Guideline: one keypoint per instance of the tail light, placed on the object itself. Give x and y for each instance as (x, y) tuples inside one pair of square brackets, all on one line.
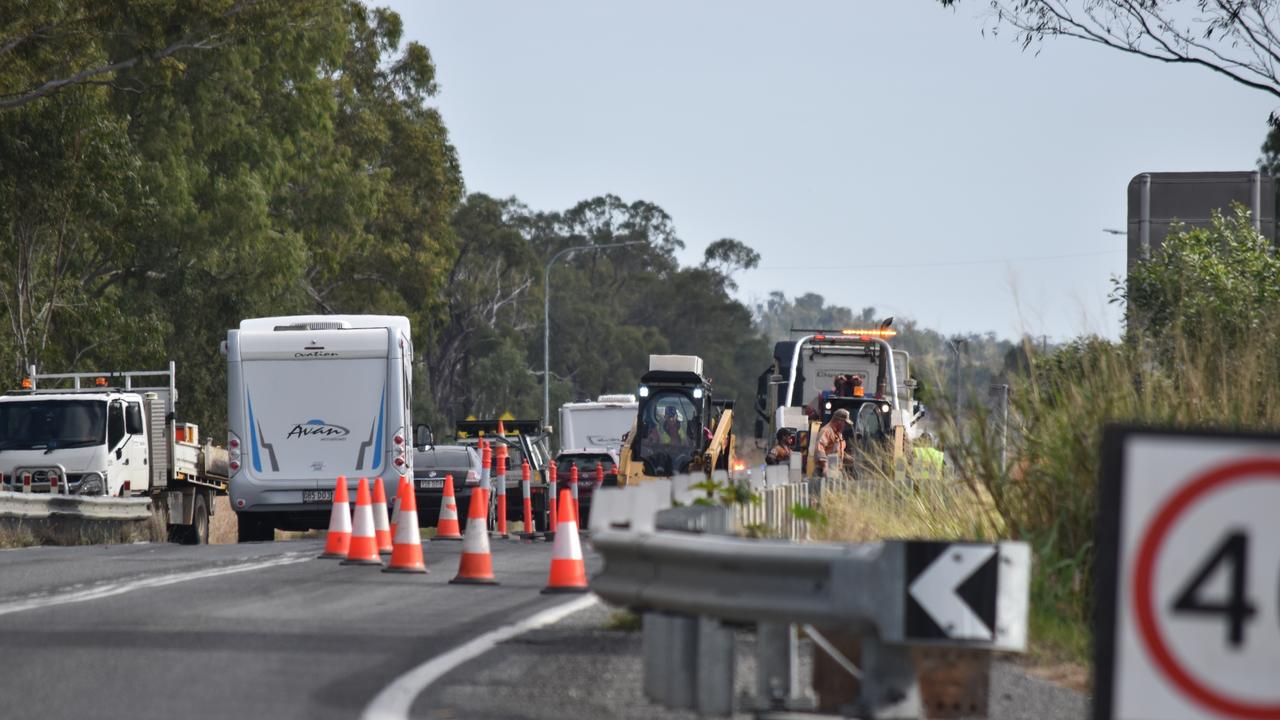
[(401, 459), (473, 477), (233, 452)]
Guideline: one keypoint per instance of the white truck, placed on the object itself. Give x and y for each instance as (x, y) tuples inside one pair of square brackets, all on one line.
[(108, 434), (311, 398)]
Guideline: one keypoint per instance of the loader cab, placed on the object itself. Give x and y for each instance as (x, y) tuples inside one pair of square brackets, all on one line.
[(674, 413)]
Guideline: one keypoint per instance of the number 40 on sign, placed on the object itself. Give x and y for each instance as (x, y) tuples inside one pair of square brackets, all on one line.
[(1188, 603)]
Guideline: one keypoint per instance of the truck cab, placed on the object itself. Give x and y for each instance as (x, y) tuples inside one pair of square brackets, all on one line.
[(112, 434), (800, 390), (82, 442)]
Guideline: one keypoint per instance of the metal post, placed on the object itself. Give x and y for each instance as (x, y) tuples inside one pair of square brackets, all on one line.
[(1144, 218), (1004, 431), (715, 657), (1004, 423), (546, 320), (777, 665), (653, 641), (1257, 202), (680, 665), (955, 344), (889, 687)]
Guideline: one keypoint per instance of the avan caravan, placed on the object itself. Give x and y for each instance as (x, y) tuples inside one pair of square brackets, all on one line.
[(310, 398)]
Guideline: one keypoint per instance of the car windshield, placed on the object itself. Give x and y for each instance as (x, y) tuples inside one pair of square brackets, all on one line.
[(445, 457), (670, 432), (586, 465), (52, 424)]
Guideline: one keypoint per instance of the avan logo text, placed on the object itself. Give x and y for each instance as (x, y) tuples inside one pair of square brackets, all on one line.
[(318, 429)]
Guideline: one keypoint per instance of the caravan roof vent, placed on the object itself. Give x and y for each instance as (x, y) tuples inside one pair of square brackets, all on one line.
[(624, 399), (314, 326)]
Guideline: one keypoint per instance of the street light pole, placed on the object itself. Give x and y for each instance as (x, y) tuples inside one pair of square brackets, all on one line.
[(546, 320)]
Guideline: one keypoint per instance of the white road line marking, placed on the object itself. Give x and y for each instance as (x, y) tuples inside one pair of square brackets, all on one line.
[(394, 701), (103, 591)]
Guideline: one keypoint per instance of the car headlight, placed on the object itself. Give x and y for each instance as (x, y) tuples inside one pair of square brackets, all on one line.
[(92, 483)]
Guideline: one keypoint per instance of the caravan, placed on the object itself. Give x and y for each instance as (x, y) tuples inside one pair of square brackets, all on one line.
[(310, 398)]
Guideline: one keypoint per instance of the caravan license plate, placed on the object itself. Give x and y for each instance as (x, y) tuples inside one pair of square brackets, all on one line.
[(430, 484), (317, 496)]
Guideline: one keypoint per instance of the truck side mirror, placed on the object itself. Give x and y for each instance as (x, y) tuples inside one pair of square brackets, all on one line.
[(422, 436), (133, 419)]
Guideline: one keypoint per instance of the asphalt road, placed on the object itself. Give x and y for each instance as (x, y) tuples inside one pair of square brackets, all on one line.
[(269, 631), (249, 631)]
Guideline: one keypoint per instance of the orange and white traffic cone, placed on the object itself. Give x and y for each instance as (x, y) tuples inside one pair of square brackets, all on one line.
[(381, 528), (476, 564), (395, 512), (338, 540), (364, 545), (447, 526), (568, 571), (406, 553)]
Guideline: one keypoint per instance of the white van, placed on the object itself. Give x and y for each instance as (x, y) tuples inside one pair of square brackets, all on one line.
[(309, 398)]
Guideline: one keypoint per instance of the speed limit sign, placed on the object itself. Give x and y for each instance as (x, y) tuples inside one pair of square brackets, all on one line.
[(1188, 576)]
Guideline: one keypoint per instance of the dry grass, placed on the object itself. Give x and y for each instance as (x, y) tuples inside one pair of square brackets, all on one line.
[(879, 508), (25, 532), (223, 528)]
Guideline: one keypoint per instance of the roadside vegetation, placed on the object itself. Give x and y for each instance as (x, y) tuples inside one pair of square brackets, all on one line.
[(20, 532), (1201, 349)]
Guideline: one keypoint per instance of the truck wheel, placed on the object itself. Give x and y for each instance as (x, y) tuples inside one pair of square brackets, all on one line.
[(250, 529), (198, 532)]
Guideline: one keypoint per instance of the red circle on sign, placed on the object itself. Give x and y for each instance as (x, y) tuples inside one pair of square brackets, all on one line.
[(1144, 588)]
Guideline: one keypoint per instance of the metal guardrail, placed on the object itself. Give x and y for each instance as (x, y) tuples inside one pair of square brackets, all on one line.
[(40, 505), (695, 586), (855, 585)]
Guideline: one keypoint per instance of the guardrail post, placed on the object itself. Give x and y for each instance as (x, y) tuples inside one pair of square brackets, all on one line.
[(890, 690), (777, 662), (715, 656), (670, 659), (654, 640)]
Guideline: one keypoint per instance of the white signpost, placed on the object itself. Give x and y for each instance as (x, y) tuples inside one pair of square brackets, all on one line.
[(1188, 582)]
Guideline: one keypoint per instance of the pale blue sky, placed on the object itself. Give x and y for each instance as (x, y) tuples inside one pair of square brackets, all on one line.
[(852, 134)]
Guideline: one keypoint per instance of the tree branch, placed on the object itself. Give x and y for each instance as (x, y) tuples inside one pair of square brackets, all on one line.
[(209, 40)]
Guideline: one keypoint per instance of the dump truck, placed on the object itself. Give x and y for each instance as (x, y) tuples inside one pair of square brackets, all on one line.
[(112, 434)]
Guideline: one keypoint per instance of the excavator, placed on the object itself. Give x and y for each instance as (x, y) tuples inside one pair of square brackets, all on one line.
[(679, 429)]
